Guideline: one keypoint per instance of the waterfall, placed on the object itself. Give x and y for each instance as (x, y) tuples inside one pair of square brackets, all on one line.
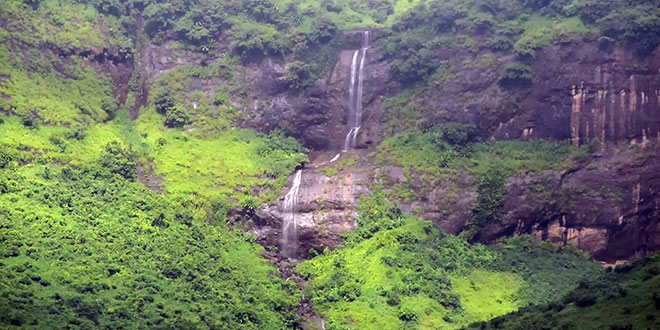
[(289, 230), (355, 93)]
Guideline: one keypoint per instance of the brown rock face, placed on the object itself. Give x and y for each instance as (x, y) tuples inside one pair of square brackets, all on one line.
[(325, 209), (609, 208), (620, 102), (580, 94), (583, 93)]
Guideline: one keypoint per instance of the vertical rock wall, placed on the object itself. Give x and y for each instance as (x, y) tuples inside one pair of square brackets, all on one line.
[(619, 104)]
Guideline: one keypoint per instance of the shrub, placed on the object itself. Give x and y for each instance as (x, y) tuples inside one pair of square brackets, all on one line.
[(163, 101), (639, 26), (592, 10), (323, 30), (30, 121), (78, 132), (220, 98), (458, 134), (253, 41), (516, 75), (119, 160), (491, 191), (176, 117), (110, 106), (299, 75), (526, 47), (501, 43)]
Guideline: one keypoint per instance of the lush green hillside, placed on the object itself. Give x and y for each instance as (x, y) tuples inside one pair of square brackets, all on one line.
[(87, 248), (84, 244), (626, 297), (124, 193), (397, 272)]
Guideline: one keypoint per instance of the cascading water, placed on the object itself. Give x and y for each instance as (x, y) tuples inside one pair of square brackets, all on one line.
[(355, 93), (289, 224), (289, 230)]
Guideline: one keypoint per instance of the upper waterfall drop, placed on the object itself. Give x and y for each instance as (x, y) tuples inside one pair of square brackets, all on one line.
[(355, 93)]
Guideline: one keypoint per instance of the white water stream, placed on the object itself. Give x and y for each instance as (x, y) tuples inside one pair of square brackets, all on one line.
[(289, 225), (290, 207), (355, 93)]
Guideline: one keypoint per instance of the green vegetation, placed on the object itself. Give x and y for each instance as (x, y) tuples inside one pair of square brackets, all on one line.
[(453, 147), (398, 272), (86, 248), (516, 75), (84, 244), (624, 298), (442, 153), (124, 185)]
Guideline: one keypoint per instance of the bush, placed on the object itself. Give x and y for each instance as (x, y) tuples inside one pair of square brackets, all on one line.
[(110, 106), (30, 121), (163, 101), (119, 160), (516, 75), (299, 75), (176, 117), (220, 98), (526, 46), (459, 135), (323, 30), (253, 41), (501, 43), (77, 132), (491, 191), (639, 26)]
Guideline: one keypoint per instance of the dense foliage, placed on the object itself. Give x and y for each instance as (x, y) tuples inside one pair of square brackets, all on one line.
[(86, 248), (625, 298), (398, 272), (118, 173)]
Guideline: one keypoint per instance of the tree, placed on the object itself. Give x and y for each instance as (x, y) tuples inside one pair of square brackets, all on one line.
[(639, 25), (119, 160), (177, 117), (516, 74), (251, 41), (299, 75), (163, 101)]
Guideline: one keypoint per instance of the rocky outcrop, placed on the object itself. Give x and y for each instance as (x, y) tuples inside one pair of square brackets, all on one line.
[(583, 93), (609, 208), (325, 210), (580, 94)]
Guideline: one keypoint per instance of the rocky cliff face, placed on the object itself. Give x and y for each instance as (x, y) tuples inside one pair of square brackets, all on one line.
[(584, 94), (609, 208), (580, 94)]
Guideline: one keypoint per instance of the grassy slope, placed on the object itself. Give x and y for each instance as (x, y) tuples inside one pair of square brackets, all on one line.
[(626, 298), (401, 272), (95, 249), (84, 249)]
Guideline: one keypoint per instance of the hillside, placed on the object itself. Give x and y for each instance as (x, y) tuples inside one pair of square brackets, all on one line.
[(335, 164)]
